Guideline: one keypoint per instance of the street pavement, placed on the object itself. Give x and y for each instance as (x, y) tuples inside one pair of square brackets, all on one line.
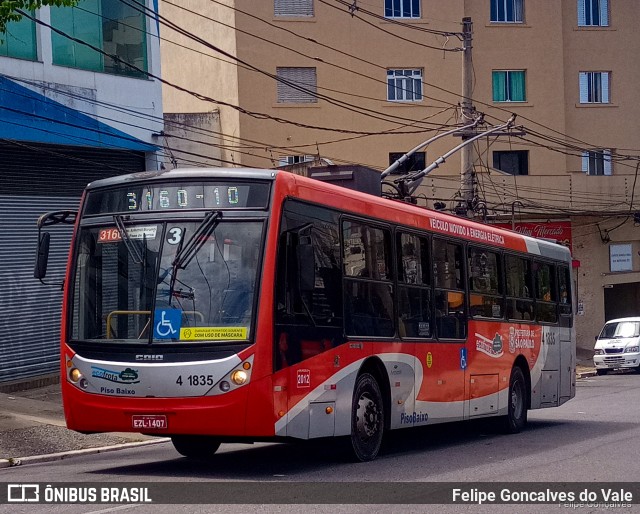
[(32, 428)]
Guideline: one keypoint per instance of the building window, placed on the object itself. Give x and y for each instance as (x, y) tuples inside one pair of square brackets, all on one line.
[(19, 40), (404, 85), (593, 13), (514, 162), (297, 85), (415, 162), (293, 8), (507, 11), (509, 86), (594, 87), (485, 283), (116, 28), (287, 160), (402, 8), (596, 162)]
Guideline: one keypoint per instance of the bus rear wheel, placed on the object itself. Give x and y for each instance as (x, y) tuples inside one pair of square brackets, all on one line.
[(367, 418), (195, 446), (516, 417)]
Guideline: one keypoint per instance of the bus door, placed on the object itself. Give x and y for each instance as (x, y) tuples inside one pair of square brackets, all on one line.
[(308, 321), (443, 358)]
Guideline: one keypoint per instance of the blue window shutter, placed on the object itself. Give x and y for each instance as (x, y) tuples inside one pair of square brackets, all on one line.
[(604, 77), (585, 162), (584, 87), (604, 13), (581, 16)]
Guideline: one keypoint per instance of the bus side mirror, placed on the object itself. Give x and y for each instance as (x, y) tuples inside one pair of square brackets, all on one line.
[(42, 256), (306, 268)]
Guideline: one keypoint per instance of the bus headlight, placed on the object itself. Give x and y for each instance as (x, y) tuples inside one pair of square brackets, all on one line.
[(239, 377), (75, 375)]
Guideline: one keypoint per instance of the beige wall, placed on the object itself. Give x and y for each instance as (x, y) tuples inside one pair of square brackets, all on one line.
[(200, 69)]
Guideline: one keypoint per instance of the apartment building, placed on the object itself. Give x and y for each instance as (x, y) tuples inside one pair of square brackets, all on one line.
[(363, 81), (77, 104)]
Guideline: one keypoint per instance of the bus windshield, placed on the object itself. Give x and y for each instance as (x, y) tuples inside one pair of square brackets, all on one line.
[(144, 288)]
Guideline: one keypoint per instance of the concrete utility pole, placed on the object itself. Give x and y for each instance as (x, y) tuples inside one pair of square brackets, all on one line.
[(466, 154)]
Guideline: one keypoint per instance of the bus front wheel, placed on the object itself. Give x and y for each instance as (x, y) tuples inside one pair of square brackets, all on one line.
[(516, 418), (195, 446), (367, 418)]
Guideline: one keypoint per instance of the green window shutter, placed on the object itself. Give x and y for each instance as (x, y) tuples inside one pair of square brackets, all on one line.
[(517, 89), (499, 86)]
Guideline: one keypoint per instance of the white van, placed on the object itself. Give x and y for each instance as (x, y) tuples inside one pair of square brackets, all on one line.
[(618, 345)]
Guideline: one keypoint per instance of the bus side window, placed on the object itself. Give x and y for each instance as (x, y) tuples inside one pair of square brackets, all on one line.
[(368, 294), (518, 288), (415, 304), (545, 292), (485, 283), (448, 266), (564, 287)]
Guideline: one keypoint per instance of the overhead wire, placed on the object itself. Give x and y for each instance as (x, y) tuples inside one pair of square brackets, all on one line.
[(371, 113), (363, 134), (200, 96)]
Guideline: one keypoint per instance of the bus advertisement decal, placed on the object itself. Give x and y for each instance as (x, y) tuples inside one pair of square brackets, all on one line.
[(491, 347), (523, 338), (126, 376), (213, 333)]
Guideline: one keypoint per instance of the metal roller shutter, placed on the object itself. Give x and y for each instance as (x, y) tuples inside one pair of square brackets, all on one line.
[(34, 179)]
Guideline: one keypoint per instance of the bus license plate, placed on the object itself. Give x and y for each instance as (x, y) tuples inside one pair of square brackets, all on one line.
[(144, 422)]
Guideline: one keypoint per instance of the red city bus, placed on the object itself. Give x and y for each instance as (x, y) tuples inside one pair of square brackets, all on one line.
[(249, 305)]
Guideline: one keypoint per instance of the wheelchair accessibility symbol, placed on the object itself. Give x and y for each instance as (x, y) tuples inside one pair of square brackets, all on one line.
[(463, 358), (167, 323)]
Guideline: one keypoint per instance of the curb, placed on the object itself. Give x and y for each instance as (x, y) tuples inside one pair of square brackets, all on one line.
[(36, 459), (587, 374)]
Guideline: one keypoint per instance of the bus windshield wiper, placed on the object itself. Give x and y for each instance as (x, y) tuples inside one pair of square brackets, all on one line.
[(187, 251), (131, 247)]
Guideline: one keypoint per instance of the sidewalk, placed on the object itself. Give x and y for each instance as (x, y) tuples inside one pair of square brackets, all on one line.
[(32, 428)]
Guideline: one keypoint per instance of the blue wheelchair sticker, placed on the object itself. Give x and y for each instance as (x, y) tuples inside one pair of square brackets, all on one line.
[(166, 323), (463, 358)]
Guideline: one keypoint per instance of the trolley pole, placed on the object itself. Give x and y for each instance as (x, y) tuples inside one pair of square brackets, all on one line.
[(466, 155)]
